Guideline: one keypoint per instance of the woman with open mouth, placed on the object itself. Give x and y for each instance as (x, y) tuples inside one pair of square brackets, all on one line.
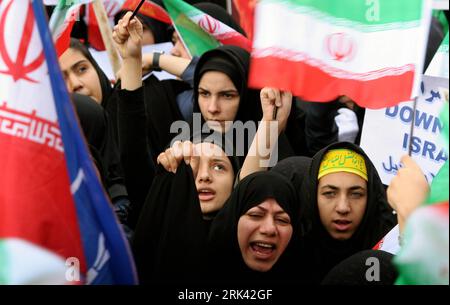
[(250, 236), (190, 186)]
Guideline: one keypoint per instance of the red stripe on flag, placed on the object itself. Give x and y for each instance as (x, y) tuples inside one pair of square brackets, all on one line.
[(94, 36), (235, 40), (148, 9), (63, 41), (36, 204), (312, 84), (378, 245), (246, 11), (441, 207)]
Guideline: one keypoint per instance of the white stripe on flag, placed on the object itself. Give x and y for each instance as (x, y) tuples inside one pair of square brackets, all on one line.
[(371, 51), (77, 182)]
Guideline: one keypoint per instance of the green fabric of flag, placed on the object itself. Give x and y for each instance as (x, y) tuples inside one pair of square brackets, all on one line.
[(439, 186), (195, 39)]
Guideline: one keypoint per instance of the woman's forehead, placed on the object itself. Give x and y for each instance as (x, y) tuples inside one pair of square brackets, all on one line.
[(210, 150), (270, 204), (70, 57), (216, 78)]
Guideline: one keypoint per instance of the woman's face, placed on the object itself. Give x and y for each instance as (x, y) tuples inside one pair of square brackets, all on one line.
[(342, 201), (218, 99), (178, 49), (214, 177), (80, 75), (147, 36), (264, 232)]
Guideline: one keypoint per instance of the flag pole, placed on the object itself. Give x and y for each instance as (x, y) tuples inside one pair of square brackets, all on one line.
[(411, 132), (230, 7), (106, 33), (137, 9)]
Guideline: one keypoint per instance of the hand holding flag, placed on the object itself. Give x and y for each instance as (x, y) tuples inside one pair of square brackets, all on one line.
[(408, 189), (136, 10), (128, 37), (424, 256)]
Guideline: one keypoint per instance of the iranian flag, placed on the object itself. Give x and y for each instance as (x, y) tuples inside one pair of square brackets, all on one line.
[(390, 243), (246, 12), (199, 31), (149, 9), (56, 224), (112, 7), (424, 257), (371, 51), (62, 20), (439, 64)]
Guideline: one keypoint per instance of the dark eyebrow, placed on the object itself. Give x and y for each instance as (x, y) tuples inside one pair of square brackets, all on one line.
[(333, 187), (352, 188), (357, 187), (281, 212), (218, 160), (230, 91), (261, 208), (78, 63), (276, 213)]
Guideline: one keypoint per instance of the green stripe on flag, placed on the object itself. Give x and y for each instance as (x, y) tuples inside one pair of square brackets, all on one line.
[(3, 263), (444, 45), (440, 16), (194, 37), (439, 186), (58, 16), (375, 12)]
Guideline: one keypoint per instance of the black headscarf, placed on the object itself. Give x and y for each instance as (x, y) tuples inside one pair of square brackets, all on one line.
[(295, 169), (324, 251), (169, 244), (354, 270), (105, 84), (161, 96), (234, 62), (158, 28), (225, 256), (99, 134)]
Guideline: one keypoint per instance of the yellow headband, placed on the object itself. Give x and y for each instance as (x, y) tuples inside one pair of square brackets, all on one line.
[(343, 160)]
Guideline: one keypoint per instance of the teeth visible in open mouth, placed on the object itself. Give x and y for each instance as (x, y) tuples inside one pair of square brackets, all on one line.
[(264, 245)]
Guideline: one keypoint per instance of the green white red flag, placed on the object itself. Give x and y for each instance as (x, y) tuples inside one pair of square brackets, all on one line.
[(149, 9), (246, 12), (199, 31), (57, 225), (112, 7), (371, 51), (62, 20)]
